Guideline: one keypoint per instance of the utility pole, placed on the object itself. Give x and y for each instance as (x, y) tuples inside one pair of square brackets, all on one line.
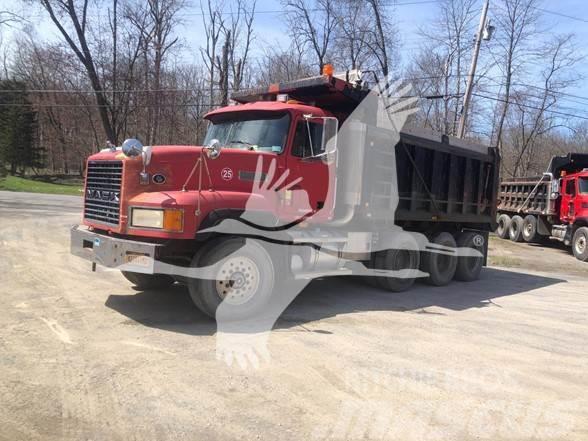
[(468, 93)]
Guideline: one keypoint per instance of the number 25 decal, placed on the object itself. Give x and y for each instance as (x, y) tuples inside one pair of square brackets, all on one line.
[(227, 173)]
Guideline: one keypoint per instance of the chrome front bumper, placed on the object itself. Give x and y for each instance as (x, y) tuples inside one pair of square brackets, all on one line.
[(111, 252)]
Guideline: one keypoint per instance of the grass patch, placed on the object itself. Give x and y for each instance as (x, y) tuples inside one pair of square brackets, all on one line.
[(505, 261), (14, 183)]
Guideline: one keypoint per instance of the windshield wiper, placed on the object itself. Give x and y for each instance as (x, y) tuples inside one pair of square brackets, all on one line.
[(238, 141)]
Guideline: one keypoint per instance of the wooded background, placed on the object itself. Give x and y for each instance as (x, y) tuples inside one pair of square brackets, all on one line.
[(120, 70)]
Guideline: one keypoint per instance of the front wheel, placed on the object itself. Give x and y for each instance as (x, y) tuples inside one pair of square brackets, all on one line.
[(148, 281), (580, 244), (241, 283)]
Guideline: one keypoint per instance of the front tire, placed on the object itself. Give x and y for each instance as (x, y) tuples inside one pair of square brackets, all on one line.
[(242, 282), (580, 244), (148, 281)]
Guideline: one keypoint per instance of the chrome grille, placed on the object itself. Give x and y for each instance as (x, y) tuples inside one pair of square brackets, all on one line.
[(102, 198)]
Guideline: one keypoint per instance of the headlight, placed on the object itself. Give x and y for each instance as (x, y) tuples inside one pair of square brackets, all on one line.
[(166, 219)]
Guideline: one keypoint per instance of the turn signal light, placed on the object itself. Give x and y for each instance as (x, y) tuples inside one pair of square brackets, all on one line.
[(173, 220), (328, 70)]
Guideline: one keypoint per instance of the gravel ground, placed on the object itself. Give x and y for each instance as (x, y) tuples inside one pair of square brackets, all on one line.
[(85, 357)]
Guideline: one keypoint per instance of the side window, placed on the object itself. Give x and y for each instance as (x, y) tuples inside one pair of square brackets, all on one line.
[(571, 187), (301, 146)]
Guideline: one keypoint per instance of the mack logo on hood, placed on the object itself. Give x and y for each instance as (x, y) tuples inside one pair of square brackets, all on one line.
[(102, 195)]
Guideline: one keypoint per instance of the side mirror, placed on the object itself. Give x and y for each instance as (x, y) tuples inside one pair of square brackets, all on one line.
[(329, 141), (328, 146), (132, 147), (213, 149)]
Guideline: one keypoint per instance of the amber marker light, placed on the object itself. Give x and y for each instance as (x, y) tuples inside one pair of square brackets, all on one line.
[(173, 220), (328, 69)]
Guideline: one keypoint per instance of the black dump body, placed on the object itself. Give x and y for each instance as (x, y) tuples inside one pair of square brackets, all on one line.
[(440, 179)]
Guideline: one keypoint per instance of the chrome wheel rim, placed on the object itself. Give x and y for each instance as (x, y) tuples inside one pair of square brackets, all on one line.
[(529, 229), (581, 245), (237, 280)]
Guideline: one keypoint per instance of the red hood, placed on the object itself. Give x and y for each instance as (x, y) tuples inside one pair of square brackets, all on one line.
[(231, 174)]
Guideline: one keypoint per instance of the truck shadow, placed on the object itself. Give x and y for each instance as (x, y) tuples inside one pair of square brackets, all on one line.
[(172, 309)]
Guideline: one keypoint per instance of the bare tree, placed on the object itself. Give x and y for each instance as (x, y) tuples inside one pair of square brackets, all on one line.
[(213, 24), (380, 42), (449, 40), (517, 22), (76, 14), (241, 28), (155, 22), (279, 65), (352, 33), (531, 118), (313, 24)]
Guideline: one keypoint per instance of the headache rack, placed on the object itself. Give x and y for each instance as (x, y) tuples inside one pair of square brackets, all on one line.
[(327, 92)]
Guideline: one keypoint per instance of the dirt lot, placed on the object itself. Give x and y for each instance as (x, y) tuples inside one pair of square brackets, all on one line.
[(548, 257), (85, 357)]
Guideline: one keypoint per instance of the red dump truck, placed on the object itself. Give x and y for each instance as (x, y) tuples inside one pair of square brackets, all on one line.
[(554, 205), (147, 208)]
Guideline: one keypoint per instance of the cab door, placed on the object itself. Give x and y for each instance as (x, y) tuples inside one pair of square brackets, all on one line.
[(309, 196), (568, 198)]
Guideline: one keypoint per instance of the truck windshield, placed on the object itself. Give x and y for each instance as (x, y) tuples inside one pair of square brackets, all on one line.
[(583, 185), (268, 133)]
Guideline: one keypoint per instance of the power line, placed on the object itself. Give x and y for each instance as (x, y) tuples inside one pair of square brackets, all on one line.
[(107, 105), (260, 12), (568, 97), (559, 93), (555, 112), (106, 91), (204, 89), (560, 14)]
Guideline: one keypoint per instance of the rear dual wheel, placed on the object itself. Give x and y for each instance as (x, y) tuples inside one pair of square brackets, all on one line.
[(441, 267), (530, 234), (402, 260), (503, 226), (465, 265), (471, 260), (515, 230)]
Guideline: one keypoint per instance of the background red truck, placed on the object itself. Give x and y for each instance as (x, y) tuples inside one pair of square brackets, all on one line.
[(147, 208), (554, 205)]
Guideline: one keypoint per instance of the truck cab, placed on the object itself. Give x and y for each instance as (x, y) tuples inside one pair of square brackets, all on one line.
[(574, 198), (158, 194)]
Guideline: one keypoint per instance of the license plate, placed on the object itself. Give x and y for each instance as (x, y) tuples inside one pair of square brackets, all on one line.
[(138, 259)]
